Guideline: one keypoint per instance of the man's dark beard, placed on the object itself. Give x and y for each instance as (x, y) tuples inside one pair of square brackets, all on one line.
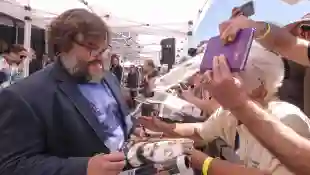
[(80, 77), (80, 71)]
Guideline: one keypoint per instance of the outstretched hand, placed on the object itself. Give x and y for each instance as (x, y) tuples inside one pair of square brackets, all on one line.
[(225, 87), (151, 123)]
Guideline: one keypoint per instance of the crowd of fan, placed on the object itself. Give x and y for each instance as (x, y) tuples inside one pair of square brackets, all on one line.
[(80, 112), (270, 80)]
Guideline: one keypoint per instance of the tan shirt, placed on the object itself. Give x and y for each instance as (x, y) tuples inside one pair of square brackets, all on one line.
[(223, 124)]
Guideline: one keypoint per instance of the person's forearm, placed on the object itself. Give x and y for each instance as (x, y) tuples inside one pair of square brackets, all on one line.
[(222, 167), (226, 168), (283, 142), (281, 41), (204, 105), (179, 130), (274, 40), (197, 102)]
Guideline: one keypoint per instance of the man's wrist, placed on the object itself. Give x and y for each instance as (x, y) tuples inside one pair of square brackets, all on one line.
[(238, 100), (241, 105), (197, 159), (166, 129), (244, 112)]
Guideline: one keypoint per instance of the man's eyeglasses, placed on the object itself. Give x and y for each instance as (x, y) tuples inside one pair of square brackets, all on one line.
[(305, 27), (96, 53), (22, 56), (92, 52)]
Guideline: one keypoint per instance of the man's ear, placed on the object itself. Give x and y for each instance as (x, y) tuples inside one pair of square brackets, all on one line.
[(79, 38)]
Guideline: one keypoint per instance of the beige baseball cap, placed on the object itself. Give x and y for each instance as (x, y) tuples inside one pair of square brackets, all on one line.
[(293, 24)]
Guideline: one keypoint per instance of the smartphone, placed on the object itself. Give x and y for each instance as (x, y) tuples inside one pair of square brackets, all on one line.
[(247, 9), (183, 86), (180, 89), (235, 52)]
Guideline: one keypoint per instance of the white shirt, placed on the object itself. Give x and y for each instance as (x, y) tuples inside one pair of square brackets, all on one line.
[(224, 125), (13, 72)]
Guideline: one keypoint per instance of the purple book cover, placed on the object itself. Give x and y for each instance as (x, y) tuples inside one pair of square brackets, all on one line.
[(236, 52)]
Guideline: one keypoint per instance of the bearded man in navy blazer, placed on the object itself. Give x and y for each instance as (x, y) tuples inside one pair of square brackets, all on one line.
[(56, 121)]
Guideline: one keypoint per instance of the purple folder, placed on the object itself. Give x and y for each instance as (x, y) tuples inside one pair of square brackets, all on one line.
[(235, 52)]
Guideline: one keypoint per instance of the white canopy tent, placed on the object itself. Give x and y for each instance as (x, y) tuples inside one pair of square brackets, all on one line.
[(138, 25)]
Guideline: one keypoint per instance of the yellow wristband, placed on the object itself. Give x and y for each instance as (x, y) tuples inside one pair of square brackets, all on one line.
[(206, 165), (266, 32)]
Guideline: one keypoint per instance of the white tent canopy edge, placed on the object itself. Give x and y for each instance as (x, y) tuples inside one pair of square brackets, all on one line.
[(171, 23)]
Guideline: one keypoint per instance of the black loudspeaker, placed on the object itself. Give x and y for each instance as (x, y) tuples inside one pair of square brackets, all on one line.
[(168, 52), (192, 52)]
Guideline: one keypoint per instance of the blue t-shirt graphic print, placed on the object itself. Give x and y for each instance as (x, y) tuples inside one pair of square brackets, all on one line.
[(107, 111)]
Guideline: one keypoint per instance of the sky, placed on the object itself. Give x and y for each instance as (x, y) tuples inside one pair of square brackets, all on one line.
[(165, 14), (275, 11)]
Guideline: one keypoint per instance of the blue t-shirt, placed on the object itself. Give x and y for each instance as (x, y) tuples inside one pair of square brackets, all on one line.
[(107, 111)]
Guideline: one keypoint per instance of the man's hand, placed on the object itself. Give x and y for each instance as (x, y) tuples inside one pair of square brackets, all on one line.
[(111, 164), (223, 86), (151, 123)]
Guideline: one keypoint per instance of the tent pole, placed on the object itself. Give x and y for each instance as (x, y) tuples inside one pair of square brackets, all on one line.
[(46, 41), (16, 33), (189, 38), (27, 38)]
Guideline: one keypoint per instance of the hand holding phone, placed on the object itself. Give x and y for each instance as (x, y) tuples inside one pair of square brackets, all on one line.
[(235, 12), (247, 9)]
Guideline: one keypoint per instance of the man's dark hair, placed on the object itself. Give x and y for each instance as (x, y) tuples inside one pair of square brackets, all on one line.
[(114, 56), (150, 63), (15, 48), (77, 26)]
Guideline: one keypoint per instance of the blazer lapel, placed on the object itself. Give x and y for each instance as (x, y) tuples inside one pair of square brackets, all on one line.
[(116, 90), (69, 87)]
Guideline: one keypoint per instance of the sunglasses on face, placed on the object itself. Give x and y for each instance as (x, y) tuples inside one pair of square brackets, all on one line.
[(305, 27)]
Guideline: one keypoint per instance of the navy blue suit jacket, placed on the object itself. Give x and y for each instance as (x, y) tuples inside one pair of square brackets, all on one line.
[(47, 126)]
